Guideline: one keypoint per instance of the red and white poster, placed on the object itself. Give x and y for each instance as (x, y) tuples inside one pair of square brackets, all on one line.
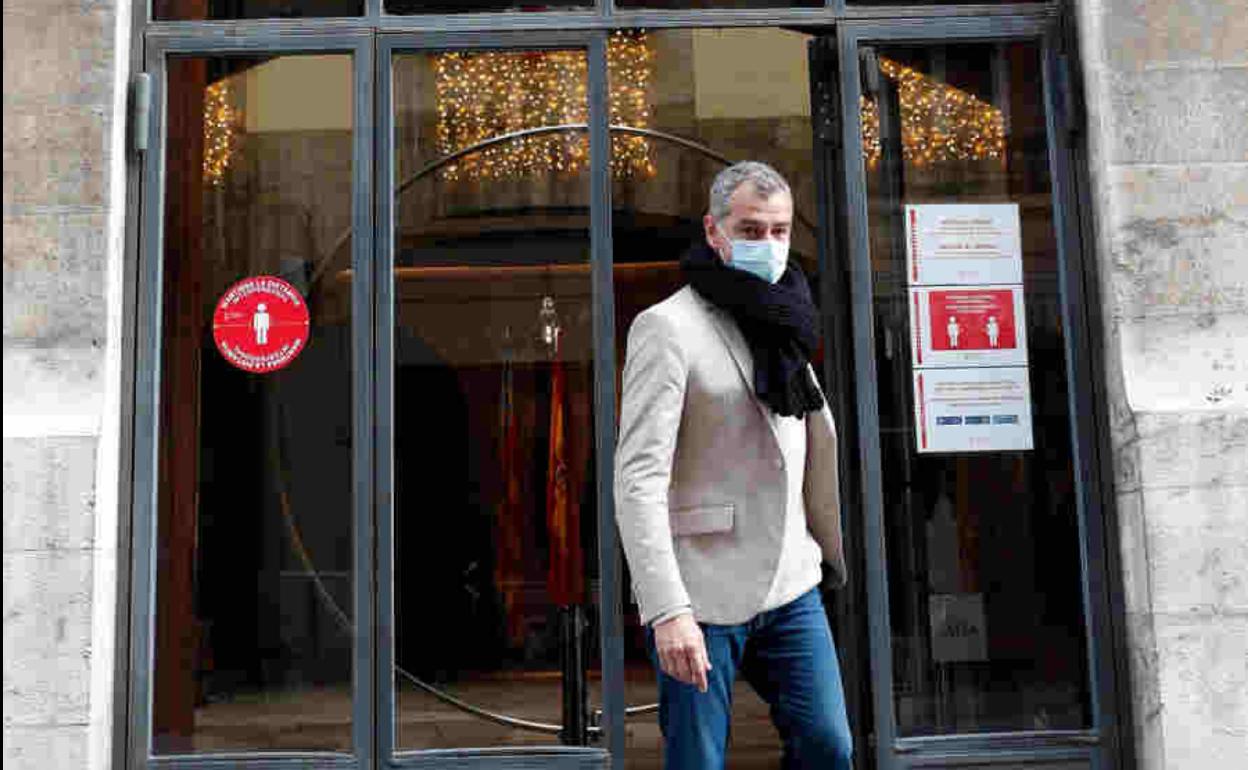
[(973, 409), (963, 244), (261, 324), (968, 326)]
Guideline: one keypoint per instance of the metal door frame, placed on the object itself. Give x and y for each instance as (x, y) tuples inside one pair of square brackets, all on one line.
[(362, 36), (611, 640), (1100, 745), (372, 394), (158, 49)]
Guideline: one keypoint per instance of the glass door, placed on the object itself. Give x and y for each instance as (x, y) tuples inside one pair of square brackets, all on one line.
[(369, 533), (983, 582), (252, 545), (489, 493)]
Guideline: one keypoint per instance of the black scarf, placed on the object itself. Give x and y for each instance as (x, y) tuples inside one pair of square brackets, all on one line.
[(779, 322)]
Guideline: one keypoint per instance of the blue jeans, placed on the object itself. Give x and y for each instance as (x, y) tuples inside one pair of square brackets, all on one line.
[(787, 656)]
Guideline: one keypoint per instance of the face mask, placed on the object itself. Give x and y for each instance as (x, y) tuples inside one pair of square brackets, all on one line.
[(766, 259)]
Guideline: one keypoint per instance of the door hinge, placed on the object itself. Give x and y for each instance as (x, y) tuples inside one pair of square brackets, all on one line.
[(825, 79), (827, 112), (869, 67), (140, 111)]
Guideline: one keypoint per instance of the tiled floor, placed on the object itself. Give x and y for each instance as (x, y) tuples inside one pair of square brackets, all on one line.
[(321, 720)]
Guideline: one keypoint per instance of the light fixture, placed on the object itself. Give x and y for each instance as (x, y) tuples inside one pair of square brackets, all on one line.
[(481, 95)]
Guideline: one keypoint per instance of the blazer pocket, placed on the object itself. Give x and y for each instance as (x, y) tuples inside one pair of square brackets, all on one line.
[(702, 519)]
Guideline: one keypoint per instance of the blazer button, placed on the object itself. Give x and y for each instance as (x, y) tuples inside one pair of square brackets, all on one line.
[(779, 464)]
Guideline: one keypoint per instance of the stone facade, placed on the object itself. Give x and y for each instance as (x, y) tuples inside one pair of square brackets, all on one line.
[(1167, 93), (1166, 83), (62, 237)]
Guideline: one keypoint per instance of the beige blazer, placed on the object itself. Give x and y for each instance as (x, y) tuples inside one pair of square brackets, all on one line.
[(700, 481)]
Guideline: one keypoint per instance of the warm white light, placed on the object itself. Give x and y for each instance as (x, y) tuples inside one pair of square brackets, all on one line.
[(938, 122), (483, 95), (220, 120)]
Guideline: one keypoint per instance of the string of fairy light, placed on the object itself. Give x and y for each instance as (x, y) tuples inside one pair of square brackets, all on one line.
[(220, 137), (938, 122), (629, 65), (486, 94)]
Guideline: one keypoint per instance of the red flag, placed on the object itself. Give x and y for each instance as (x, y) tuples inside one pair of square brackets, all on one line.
[(564, 576), (509, 564)]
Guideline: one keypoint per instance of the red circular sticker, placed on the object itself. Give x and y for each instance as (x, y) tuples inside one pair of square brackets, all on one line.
[(261, 324)]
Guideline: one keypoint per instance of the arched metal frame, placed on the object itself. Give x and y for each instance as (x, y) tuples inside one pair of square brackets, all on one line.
[(429, 168), (296, 541)]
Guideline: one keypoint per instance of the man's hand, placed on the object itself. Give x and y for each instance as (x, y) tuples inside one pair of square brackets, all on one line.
[(682, 650)]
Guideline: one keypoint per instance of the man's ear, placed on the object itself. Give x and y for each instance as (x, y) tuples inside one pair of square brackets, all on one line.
[(710, 231)]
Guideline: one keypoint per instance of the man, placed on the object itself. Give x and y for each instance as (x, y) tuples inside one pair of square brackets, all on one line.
[(726, 487)]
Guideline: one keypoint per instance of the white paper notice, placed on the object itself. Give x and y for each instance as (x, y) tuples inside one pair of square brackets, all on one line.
[(972, 409), (968, 326), (968, 329), (959, 627), (963, 244)]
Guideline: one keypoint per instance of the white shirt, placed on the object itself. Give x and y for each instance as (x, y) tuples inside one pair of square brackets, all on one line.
[(798, 570)]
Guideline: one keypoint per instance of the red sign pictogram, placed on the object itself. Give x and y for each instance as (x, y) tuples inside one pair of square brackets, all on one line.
[(973, 319), (261, 324)]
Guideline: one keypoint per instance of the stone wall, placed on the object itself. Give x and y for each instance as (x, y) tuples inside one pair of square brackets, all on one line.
[(61, 256), (1166, 84), (1167, 89)]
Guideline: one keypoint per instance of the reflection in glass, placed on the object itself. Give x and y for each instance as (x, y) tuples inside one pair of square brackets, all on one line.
[(982, 547), (935, 2), (720, 4), (940, 122), (254, 536), (203, 10), (526, 113), (494, 510), (407, 7), (706, 105)]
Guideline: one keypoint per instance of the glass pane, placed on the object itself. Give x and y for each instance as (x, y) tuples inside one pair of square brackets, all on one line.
[(495, 505), (722, 4), (201, 10), (254, 589), (700, 103), (938, 2), (980, 506), (408, 7)]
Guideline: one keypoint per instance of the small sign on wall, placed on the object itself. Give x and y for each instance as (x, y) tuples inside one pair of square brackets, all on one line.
[(971, 326), (963, 244), (972, 410), (261, 324), (958, 627), (968, 327)]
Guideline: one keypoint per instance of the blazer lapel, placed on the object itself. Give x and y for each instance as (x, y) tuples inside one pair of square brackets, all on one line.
[(740, 353)]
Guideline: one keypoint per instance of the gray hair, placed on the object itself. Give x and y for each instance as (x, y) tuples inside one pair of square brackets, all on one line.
[(765, 179)]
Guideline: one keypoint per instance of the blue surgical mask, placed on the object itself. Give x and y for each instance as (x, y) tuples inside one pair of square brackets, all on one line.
[(766, 259)]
